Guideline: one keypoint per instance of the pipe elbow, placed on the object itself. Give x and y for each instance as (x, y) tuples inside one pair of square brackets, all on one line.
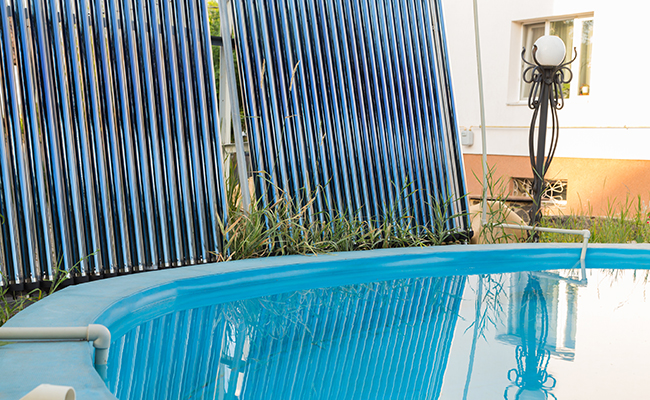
[(101, 338), (99, 335)]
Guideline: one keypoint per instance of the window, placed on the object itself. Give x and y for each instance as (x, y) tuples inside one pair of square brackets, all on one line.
[(555, 190), (585, 57), (531, 34), (565, 29)]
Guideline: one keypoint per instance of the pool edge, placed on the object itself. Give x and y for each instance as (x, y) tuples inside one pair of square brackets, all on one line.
[(66, 307)]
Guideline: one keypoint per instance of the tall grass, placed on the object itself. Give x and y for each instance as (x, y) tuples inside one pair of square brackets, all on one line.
[(625, 221), (291, 226), (12, 303), (497, 212)]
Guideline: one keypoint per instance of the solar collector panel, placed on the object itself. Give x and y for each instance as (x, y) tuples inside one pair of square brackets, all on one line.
[(369, 79)]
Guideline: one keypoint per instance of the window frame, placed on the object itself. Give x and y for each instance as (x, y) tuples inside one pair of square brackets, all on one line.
[(578, 21)]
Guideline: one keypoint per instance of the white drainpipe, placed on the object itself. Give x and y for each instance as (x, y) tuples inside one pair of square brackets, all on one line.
[(98, 334)]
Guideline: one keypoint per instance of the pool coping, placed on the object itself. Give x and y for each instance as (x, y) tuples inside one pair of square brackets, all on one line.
[(113, 302)]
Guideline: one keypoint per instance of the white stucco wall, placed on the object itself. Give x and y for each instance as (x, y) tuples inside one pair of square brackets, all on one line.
[(612, 122)]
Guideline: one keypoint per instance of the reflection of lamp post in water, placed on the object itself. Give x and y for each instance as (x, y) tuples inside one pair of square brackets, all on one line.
[(546, 75), (530, 379)]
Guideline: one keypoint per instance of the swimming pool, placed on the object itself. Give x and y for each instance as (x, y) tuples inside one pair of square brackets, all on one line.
[(381, 324)]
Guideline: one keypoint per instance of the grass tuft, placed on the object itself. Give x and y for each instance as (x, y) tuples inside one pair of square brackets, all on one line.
[(624, 222), (291, 226)]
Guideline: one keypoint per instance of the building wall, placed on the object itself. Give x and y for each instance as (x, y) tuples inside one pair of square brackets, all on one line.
[(594, 185), (604, 143)]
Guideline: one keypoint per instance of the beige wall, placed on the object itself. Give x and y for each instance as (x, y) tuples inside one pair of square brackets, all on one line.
[(593, 183)]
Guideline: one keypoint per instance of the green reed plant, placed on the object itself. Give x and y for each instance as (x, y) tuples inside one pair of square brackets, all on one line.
[(496, 211), (624, 222), (62, 277), (12, 303), (291, 226)]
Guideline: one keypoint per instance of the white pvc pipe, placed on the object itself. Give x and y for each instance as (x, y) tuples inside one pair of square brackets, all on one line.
[(98, 334), (542, 274), (51, 392), (585, 233)]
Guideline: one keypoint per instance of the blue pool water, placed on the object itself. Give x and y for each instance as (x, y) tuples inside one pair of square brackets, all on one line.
[(518, 334), (455, 322)]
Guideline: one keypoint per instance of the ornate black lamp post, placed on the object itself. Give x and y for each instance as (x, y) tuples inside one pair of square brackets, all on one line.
[(546, 75)]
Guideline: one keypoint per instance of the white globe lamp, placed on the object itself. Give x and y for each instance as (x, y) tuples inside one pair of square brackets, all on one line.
[(550, 51)]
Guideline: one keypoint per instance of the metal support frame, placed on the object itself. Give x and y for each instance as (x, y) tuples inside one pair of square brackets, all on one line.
[(231, 93), (479, 70)]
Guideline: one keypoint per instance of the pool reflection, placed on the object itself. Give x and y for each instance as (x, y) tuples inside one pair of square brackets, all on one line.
[(552, 337), (369, 341), (533, 317), (560, 300), (532, 356), (519, 335)]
